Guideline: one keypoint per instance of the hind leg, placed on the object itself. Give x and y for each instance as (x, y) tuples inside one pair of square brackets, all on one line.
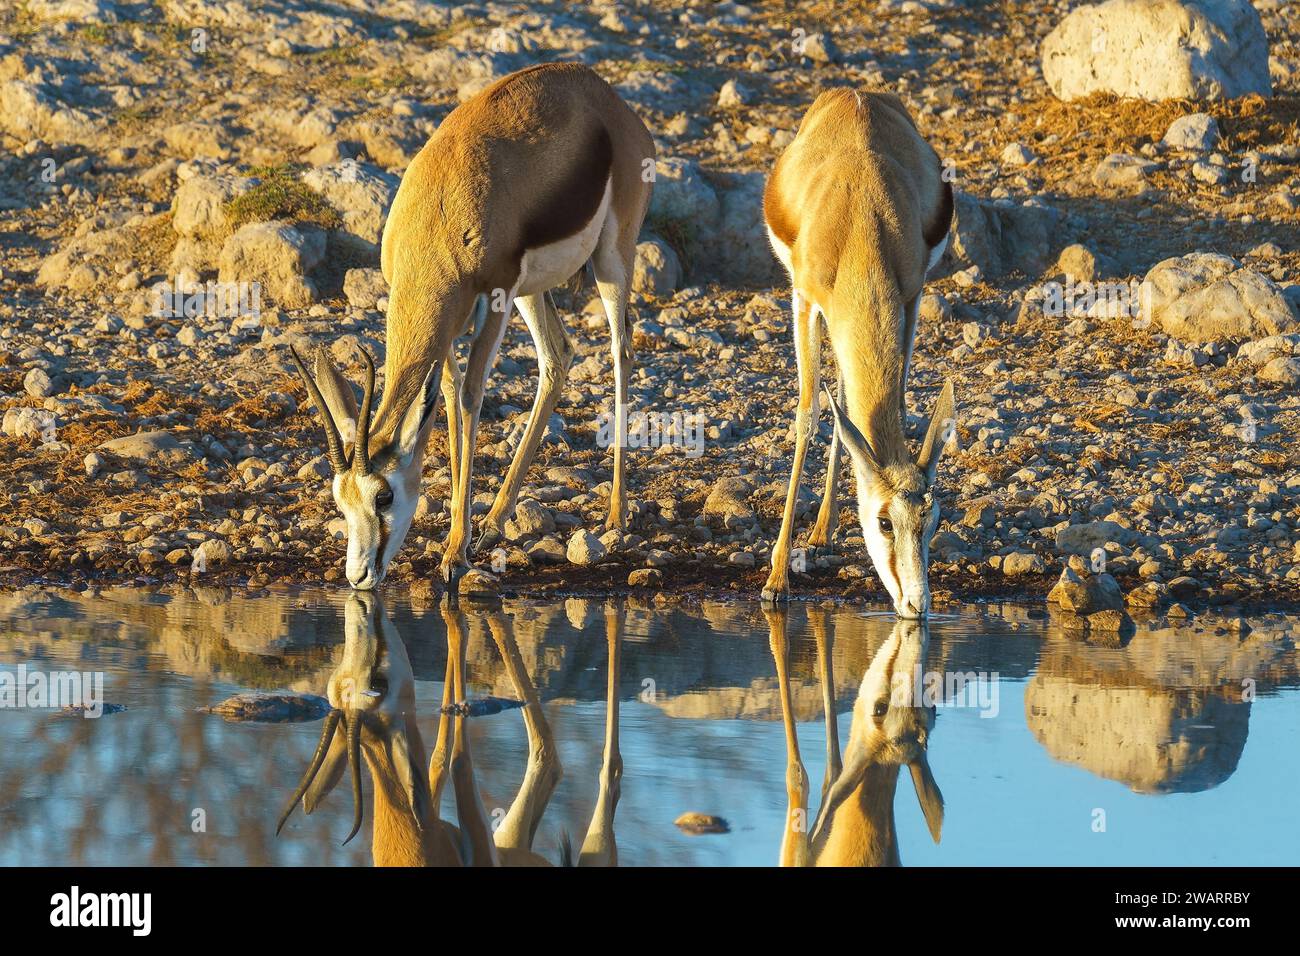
[(599, 848), (613, 263), (455, 560), (554, 355), (828, 515), (543, 772)]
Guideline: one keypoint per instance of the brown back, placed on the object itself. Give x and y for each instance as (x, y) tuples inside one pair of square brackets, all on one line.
[(860, 201), (521, 164)]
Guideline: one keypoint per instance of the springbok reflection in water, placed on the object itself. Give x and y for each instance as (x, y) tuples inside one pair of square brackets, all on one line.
[(372, 699), (891, 727)]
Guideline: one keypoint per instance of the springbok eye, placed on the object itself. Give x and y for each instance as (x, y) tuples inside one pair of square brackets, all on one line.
[(881, 708), (886, 526), (383, 499)]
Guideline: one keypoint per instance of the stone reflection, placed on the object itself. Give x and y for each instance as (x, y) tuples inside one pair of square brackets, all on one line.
[(162, 783), (1167, 712)]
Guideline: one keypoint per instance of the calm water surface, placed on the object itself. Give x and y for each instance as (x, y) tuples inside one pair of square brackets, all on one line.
[(1179, 744)]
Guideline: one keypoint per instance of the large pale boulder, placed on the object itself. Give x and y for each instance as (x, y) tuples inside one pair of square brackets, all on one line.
[(361, 194), (33, 111), (715, 227), (303, 128), (682, 194), (1084, 539), (658, 271), (730, 498), (1084, 592), (278, 256), (1197, 132), (1002, 237), (79, 11), (194, 139), (364, 288), (738, 250), (1206, 297), (198, 208), (152, 446), (84, 262), (1159, 49)]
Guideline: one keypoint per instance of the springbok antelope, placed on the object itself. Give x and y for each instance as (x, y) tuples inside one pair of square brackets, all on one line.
[(855, 822), (517, 190), (372, 696), (858, 212)]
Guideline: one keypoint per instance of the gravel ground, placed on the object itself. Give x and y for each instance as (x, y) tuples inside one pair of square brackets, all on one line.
[(141, 139)]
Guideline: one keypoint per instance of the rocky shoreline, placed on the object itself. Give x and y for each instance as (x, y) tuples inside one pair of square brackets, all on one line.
[(1119, 311)]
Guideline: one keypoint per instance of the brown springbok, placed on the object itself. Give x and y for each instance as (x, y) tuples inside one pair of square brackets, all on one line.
[(372, 698), (855, 823), (858, 211), (519, 187)]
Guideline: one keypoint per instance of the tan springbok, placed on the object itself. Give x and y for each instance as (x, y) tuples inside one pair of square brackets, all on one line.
[(372, 698), (519, 187), (855, 823), (858, 211)]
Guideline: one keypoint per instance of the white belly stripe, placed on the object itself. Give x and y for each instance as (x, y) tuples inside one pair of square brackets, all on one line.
[(547, 266), (937, 253)]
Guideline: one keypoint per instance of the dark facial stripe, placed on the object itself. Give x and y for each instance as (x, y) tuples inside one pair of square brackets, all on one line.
[(383, 543)]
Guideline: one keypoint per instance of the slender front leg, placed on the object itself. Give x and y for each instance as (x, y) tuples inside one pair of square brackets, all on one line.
[(441, 756), (828, 515), (543, 772), (910, 313), (599, 847), (451, 383), (818, 621), (455, 560), (554, 356), (807, 351), (613, 264), (794, 838), (477, 847)]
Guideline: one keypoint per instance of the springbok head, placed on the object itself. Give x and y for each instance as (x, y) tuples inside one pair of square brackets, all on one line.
[(891, 728), (372, 710), (897, 504), (376, 489)]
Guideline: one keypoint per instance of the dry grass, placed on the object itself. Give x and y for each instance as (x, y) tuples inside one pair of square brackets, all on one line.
[(280, 195), (1092, 128)]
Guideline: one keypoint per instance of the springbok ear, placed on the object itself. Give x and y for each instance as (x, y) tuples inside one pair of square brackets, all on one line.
[(853, 439), (928, 795), (417, 417), (338, 396), (331, 772), (852, 774), (943, 423), (412, 782)]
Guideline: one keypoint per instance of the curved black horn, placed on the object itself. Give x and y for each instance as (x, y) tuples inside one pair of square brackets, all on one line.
[(332, 439), (326, 737), (354, 758), (361, 451)]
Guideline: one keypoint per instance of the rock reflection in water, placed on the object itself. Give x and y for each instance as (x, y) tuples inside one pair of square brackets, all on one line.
[(702, 709)]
